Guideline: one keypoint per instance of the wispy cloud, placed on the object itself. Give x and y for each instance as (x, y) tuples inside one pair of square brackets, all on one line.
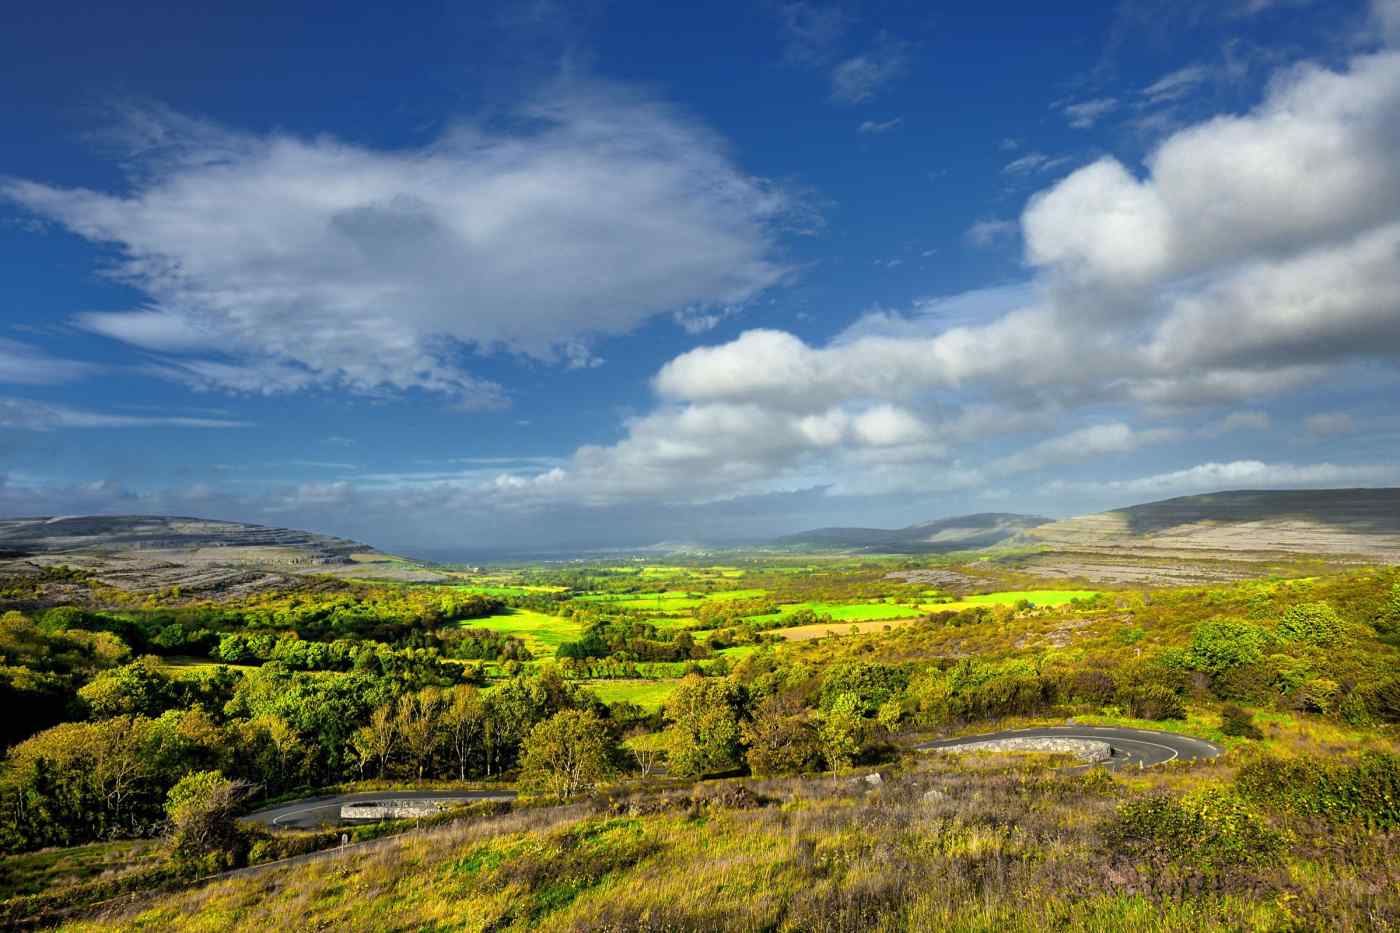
[(1248, 474), (1033, 162), (876, 128), (30, 415), (1087, 443), (1329, 424), (23, 364), (989, 230), (1084, 114), (1176, 85), (811, 32), (862, 77)]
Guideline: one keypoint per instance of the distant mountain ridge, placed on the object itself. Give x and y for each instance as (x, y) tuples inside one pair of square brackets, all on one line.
[(63, 533), (1185, 539), (148, 553), (1248, 525), (1361, 522), (959, 533)]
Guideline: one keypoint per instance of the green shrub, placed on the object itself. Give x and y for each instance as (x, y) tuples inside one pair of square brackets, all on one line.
[(974, 689), (1238, 722), (1381, 699), (870, 684), (1387, 621), (1209, 832), (1251, 683), (1154, 702), (1223, 644), (1364, 790), (1290, 673), (1319, 695), (1092, 686), (1315, 624), (1130, 635)]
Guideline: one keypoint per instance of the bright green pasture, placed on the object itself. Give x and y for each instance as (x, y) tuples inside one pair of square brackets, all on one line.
[(541, 633), (668, 601), (1038, 597), (738, 594), (849, 612), (649, 694)]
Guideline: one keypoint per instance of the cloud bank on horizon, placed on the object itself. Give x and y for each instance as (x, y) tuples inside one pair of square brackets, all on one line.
[(1216, 308)]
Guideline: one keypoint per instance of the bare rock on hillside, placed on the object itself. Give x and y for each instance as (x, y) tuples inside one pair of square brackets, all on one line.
[(948, 580), (151, 553), (1221, 536), (1363, 522)]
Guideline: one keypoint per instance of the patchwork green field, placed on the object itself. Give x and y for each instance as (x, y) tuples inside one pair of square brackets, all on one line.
[(1011, 597), (672, 609), (843, 612), (648, 694), (667, 601), (541, 633)]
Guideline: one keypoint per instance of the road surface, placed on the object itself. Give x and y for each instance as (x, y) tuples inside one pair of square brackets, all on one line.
[(1131, 747), (325, 811)]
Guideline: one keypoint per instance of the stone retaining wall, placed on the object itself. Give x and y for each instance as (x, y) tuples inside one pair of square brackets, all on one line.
[(393, 809), (1084, 749)]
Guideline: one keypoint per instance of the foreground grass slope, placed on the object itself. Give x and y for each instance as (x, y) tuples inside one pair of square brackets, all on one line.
[(986, 843)]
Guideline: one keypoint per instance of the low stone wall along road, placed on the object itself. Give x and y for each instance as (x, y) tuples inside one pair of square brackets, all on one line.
[(1129, 748), (314, 812)]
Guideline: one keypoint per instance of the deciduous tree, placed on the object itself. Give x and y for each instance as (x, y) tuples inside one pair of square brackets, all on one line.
[(375, 742), (842, 732), (704, 735), (201, 809), (567, 753)]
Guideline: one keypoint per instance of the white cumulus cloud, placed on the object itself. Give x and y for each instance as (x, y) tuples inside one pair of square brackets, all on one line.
[(274, 262), (1257, 254)]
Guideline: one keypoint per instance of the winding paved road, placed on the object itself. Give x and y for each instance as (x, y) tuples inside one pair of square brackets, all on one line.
[(325, 811), (1131, 747)]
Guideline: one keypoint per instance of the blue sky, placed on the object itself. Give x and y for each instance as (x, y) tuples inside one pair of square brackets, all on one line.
[(541, 275)]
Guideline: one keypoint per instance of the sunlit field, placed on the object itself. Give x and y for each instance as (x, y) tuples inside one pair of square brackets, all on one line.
[(542, 633), (648, 694)]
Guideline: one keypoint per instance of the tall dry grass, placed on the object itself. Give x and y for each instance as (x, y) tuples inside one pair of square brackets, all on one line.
[(978, 843)]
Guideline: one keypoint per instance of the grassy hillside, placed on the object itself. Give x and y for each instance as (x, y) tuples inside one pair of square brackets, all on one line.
[(938, 844)]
